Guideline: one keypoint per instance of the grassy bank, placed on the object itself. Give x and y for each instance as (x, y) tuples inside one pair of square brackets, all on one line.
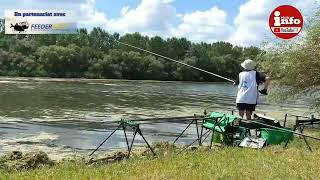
[(272, 162)]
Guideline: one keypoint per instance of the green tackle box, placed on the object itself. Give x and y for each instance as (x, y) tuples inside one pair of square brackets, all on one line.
[(275, 136)]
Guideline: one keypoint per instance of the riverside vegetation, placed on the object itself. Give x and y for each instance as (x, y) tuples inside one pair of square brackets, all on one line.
[(272, 162)]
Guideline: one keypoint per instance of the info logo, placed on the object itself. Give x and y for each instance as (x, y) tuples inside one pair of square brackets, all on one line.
[(286, 22)]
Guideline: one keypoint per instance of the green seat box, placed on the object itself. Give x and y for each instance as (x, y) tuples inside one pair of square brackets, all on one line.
[(275, 136)]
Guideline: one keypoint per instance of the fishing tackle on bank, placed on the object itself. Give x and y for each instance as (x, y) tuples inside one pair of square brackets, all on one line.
[(226, 125), (281, 128)]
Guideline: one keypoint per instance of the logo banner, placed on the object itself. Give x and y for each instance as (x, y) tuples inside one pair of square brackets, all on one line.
[(286, 22), (40, 22)]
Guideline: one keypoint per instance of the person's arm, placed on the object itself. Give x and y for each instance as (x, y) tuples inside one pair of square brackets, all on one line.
[(236, 82), (263, 79), (267, 82)]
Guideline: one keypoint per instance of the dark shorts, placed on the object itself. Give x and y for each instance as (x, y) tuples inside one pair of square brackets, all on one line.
[(246, 107)]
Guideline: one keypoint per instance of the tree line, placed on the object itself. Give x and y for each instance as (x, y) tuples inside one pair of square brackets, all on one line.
[(95, 54)]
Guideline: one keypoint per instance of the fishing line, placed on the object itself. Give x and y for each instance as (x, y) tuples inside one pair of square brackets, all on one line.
[(176, 61)]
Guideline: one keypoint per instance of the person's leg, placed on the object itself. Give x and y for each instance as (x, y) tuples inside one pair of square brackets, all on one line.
[(241, 113), (241, 109), (248, 114), (249, 109)]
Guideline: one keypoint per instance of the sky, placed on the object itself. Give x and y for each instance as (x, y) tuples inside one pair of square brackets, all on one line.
[(240, 22)]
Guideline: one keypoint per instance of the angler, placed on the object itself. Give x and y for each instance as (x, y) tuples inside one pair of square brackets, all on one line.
[(248, 82)]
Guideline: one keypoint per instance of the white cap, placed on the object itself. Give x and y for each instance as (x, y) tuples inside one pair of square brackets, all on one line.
[(248, 64)]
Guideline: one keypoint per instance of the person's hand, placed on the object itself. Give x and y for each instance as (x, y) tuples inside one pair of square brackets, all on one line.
[(263, 91), (234, 83)]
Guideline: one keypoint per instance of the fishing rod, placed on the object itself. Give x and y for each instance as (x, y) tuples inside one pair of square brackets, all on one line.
[(173, 60), (188, 118), (282, 129)]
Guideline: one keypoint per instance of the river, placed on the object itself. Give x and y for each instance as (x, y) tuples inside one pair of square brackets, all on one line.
[(63, 117)]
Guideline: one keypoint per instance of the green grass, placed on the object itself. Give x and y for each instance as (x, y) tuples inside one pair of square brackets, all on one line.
[(272, 162)]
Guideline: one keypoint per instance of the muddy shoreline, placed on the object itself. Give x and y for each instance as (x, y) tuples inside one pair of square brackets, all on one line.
[(17, 160)]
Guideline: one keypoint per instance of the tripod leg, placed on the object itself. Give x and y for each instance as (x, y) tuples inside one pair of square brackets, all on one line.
[(140, 133), (287, 142), (198, 132), (305, 140), (125, 135), (134, 136), (201, 133), (105, 140), (195, 141), (302, 128), (211, 139), (183, 132), (294, 129), (207, 133)]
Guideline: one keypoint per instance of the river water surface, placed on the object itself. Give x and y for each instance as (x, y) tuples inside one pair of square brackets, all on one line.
[(64, 117)]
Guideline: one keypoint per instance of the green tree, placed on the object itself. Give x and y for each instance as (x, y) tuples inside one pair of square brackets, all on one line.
[(62, 61), (157, 45), (111, 65), (15, 64), (135, 39), (185, 73), (155, 68), (220, 49), (251, 52), (178, 48)]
